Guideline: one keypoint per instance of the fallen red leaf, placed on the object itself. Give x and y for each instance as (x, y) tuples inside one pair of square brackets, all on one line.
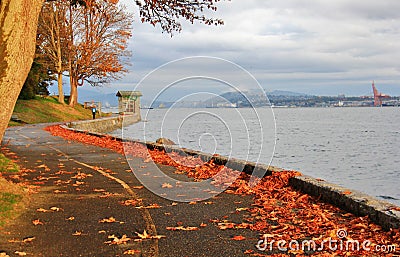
[(131, 252), (37, 222), (182, 228), (238, 238)]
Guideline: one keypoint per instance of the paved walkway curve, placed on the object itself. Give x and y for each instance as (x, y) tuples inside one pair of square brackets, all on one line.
[(150, 227), (87, 204), (32, 136)]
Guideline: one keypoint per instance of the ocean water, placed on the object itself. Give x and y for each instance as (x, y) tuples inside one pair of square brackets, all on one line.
[(358, 148)]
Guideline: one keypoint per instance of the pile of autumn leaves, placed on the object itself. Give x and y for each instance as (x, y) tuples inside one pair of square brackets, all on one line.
[(278, 212)]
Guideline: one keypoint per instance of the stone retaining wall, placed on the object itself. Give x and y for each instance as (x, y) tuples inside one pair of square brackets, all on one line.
[(104, 125), (360, 204)]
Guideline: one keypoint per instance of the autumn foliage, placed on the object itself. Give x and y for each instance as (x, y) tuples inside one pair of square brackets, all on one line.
[(88, 39), (279, 212), (167, 13)]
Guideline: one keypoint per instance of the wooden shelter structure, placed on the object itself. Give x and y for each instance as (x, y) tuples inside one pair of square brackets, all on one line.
[(129, 102)]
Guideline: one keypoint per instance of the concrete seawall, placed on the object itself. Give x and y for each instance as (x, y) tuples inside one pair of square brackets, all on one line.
[(104, 125), (358, 203), (381, 212)]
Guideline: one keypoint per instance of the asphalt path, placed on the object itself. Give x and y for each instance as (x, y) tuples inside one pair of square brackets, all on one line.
[(87, 202)]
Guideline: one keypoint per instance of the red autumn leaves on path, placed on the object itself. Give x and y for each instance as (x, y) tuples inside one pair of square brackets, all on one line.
[(279, 212)]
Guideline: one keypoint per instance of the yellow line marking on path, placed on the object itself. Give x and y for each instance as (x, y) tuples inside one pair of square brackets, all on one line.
[(150, 226)]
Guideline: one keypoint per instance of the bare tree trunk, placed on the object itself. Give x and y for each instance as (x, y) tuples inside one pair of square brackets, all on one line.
[(59, 60), (73, 97), (18, 26), (60, 88)]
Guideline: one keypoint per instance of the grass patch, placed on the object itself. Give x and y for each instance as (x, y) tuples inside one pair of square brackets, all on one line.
[(47, 109), (11, 195), (50, 99), (7, 203), (12, 123), (7, 165)]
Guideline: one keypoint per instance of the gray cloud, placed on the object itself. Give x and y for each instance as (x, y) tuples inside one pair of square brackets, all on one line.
[(311, 46)]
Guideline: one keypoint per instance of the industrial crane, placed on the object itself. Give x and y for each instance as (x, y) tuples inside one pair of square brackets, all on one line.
[(378, 96)]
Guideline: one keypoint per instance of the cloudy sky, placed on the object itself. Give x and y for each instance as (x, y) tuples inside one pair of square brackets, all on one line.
[(319, 47)]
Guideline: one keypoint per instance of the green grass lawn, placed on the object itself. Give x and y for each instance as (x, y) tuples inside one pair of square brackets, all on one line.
[(47, 109), (7, 203), (6, 165), (11, 195)]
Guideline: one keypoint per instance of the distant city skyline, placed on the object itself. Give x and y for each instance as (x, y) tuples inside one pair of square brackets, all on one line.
[(86, 92)]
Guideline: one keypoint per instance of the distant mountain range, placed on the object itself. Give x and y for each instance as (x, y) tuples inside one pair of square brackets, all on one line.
[(251, 98), (106, 99), (225, 99), (276, 98), (284, 93)]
